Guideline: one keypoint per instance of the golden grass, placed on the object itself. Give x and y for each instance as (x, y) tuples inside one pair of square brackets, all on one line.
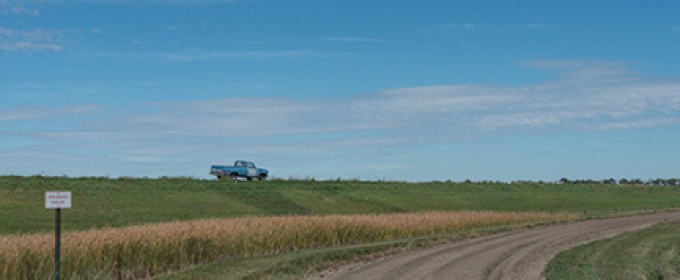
[(143, 251)]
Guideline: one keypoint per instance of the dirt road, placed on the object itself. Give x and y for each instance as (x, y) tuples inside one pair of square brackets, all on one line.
[(520, 254)]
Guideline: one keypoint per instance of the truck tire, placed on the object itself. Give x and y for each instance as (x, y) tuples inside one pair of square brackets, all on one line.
[(233, 176), (262, 177), (220, 175)]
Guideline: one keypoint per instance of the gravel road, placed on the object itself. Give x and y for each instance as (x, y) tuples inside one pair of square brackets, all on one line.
[(520, 254)]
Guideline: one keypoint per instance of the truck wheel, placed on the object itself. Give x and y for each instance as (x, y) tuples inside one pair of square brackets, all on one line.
[(233, 177), (219, 178), (262, 177)]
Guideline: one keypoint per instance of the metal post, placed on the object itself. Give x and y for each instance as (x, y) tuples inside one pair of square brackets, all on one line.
[(57, 246)]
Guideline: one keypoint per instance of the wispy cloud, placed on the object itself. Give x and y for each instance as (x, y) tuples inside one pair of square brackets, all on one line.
[(607, 98), (472, 26), (230, 55), (587, 96), (22, 10), (612, 99), (590, 72), (158, 2), (17, 8), (46, 113), (354, 40), (33, 8), (31, 40)]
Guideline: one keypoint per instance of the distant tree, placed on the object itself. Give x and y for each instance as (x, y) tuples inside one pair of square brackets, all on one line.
[(610, 181), (623, 181), (657, 182), (564, 181)]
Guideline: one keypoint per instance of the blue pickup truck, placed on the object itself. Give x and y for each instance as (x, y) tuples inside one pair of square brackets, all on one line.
[(240, 169)]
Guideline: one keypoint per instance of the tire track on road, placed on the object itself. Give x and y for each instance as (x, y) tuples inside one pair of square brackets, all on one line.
[(519, 254)]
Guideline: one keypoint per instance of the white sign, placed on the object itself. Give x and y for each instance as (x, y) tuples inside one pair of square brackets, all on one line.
[(58, 200)]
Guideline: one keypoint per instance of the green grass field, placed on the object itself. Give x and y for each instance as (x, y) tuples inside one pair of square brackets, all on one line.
[(651, 253), (101, 202)]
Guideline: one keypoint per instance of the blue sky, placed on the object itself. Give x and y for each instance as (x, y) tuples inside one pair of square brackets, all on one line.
[(373, 89)]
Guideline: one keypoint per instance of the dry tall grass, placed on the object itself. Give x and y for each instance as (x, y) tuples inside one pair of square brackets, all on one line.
[(143, 251)]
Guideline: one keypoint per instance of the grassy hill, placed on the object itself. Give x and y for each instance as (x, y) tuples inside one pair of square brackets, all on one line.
[(650, 253), (103, 202)]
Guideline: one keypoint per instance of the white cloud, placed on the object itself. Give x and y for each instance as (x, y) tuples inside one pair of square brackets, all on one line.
[(640, 123), (193, 130), (354, 40), (585, 96), (582, 69), (230, 55), (30, 40), (470, 26), (156, 2), (606, 99), (21, 10), (47, 113)]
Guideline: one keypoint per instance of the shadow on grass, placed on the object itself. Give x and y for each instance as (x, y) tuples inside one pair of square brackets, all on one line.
[(269, 201)]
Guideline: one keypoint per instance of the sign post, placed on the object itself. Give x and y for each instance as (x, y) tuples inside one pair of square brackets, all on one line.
[(57, 200)]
